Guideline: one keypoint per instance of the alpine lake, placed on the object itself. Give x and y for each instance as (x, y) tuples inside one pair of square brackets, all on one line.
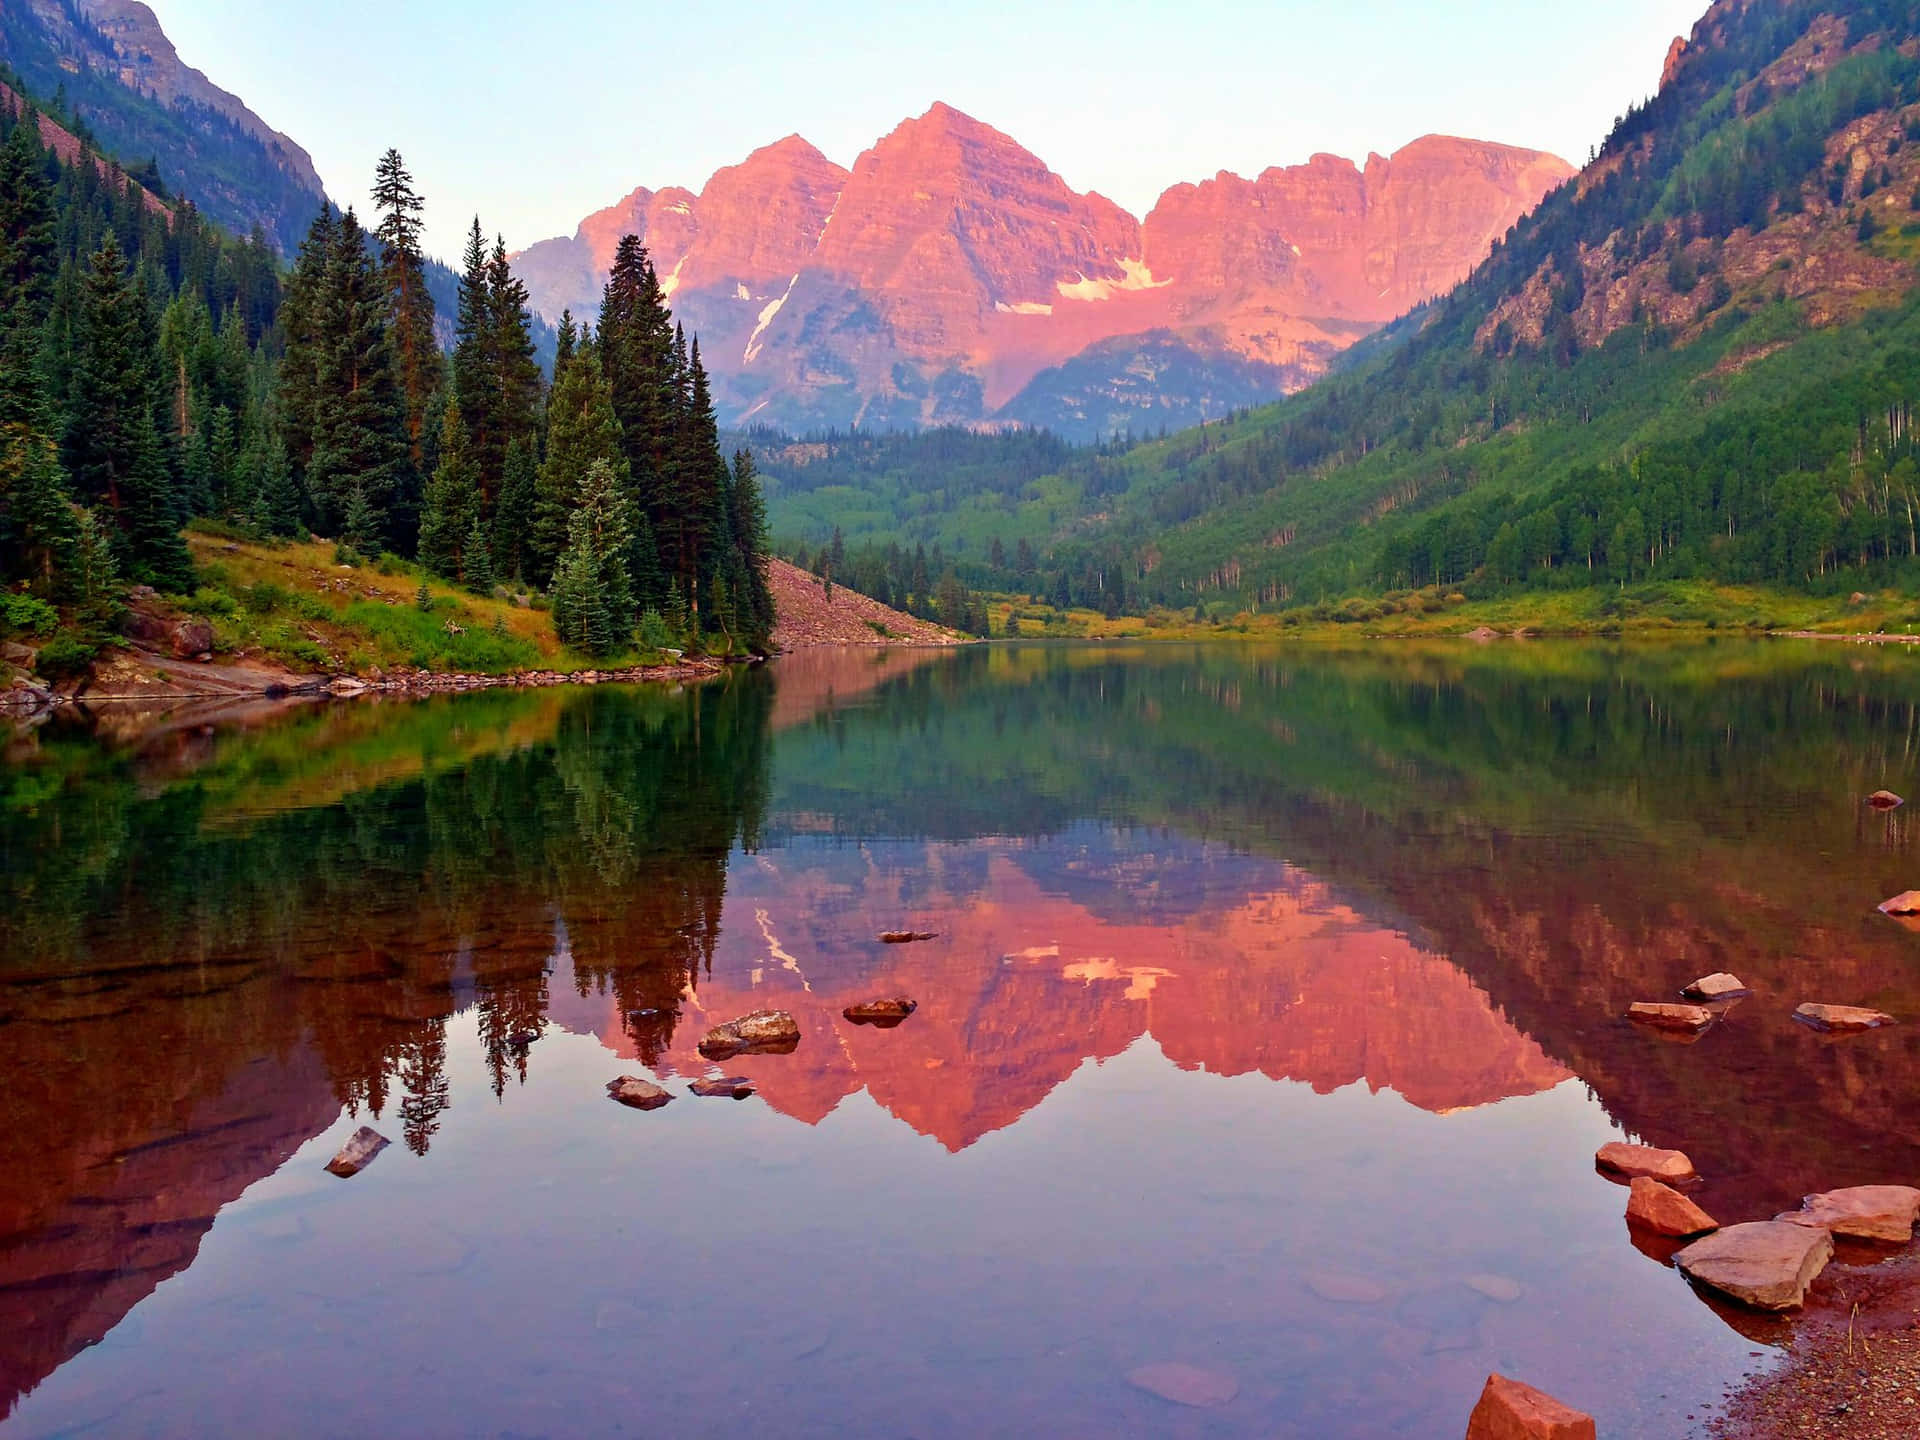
[(1272, 1020)]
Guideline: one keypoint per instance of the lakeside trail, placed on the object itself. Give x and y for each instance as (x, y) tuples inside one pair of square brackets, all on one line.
[(1852, 1370)]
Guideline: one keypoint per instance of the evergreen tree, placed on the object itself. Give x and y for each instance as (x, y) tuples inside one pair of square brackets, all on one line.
[(28, 253), (37, 530), (307, 329), (112, 447), (747, 524), (452, 507), (477, 560), (513, 511), (581, 431), (410, 313), (593, 598), (275, 508), (359, 418), (361, 528), (476, 379), (635, 342)]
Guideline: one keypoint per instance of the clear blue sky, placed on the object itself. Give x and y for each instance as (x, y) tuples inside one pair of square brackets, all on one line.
[(534, 115)]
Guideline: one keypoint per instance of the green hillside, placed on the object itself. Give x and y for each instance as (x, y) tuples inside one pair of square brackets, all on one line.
[(1698, 360)]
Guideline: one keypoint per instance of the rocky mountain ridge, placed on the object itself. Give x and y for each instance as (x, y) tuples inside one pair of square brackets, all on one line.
[(952, 277)]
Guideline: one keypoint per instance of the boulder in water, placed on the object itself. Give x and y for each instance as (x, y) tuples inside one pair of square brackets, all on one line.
[(358, 1152), (1665, 1211), (1907, 902), (764, 1032), (1767, 1264), (1841, 1019), (907, 937), (724, 1087), (1509, 1410), (1885, 800), (640, 1094), (884, 1013), (1670, 1166), (1688, 1019), (1718, 986)]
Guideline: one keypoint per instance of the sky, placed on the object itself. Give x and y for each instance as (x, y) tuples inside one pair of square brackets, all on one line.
[(534, 115)]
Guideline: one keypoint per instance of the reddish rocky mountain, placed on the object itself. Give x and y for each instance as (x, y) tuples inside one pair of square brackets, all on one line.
[(951, 270)]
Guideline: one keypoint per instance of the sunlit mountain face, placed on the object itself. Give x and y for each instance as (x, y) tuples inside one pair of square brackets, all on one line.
[(1270, 1024)]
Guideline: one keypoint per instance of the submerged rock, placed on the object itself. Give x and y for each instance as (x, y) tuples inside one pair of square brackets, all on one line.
[(640, 1094), (1344, 1289), (1841, 1019), (724, 1087), (907, 937), (882, 1013), (1691, 1019), (1767, 1264), (1671, 1166), (1665, 1211), (1185, 1384), (1885, 800), (1861, 1212), (358, 1152), (1501, 1289), (764, 1032), (1509, 1410), (1718, 986), (1907, 902)]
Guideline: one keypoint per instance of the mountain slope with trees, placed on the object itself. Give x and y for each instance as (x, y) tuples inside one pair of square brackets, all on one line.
[(155, 371), (1698, 360)]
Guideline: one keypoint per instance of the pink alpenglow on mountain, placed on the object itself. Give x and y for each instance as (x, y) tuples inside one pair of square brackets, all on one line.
[(950, 274)]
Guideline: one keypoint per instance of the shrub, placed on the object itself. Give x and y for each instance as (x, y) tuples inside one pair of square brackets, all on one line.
[(208, 601), (64, 657), (27, 615), (654, 633)]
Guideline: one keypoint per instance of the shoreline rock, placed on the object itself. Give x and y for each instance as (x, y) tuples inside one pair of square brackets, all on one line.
[(722, 1087), (1883, 1213), (1765, 1264)]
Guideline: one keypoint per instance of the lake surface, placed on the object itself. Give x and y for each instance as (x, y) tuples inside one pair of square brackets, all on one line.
[(1271, 1028)]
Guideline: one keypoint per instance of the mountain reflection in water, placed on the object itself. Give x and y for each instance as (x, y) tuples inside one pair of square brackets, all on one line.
[(1443, 873)]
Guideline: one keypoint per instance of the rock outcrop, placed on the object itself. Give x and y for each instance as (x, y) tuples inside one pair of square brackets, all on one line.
[(950, 268), (1841, 1019), (1669, 1166)]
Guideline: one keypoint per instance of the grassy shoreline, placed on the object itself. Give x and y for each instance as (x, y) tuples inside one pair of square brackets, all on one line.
[(1671, 608)]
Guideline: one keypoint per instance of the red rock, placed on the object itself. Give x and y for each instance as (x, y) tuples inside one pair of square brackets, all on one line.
[(884, 1013), (1907, 902), (1185, 1384), (1885, 800), (358, 1152), (190, 638), (1766, 1264), (905, 937), (763, 1032), (1693, 1018), (1675, 54), (1718, 986), (1841, 1019), (1861, 1212), (1509, 1410), (723, 1087), (1665, 1211), (1670, 1166), (640, 1094)]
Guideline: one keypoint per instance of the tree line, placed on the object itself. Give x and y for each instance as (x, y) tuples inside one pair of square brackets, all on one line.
[(154, 370)]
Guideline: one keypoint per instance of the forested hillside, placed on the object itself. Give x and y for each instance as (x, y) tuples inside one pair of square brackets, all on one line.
[(1698, 360), (154, 371)]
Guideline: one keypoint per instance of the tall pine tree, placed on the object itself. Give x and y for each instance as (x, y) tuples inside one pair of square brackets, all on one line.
[(410, 316), (581, 430)]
